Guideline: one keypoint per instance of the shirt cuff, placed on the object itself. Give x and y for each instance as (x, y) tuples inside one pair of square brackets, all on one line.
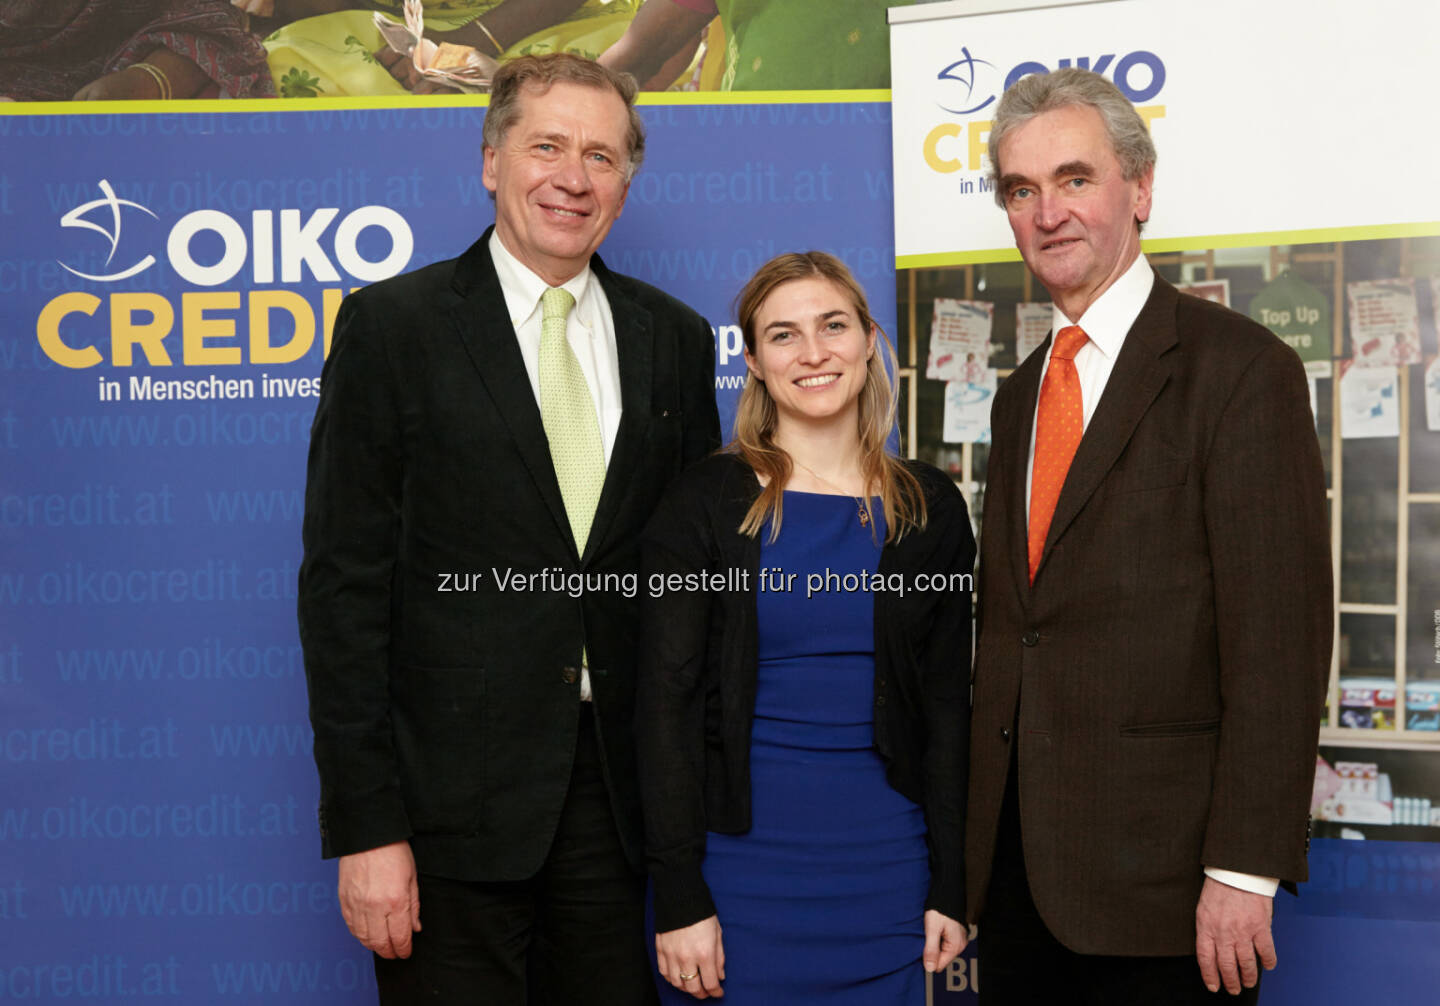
[(1244, 881)]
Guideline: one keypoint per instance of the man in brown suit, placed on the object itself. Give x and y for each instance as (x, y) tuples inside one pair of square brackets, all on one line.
[(1155, 600)]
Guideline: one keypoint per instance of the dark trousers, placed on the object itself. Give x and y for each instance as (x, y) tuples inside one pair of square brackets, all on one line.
[(573, 933), (1022, 964)]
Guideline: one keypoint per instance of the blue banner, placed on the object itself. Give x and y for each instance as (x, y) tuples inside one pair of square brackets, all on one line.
[(169, 284)]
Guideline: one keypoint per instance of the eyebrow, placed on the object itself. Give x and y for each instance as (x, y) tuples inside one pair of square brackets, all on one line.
[(820, 317), (1067, 170)]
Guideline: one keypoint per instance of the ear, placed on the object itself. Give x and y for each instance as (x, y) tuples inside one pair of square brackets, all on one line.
[(489, 177), (1143, 186), (754, 366), (870, 342)]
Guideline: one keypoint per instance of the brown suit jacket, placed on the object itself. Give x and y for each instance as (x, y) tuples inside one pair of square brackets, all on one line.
[(1164, 675)]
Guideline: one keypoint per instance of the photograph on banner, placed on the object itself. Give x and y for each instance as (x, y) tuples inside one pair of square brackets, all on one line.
[(61, 50), (1297, 291)]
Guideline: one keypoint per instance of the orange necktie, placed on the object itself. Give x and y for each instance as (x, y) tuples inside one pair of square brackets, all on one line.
[(1059, 424)]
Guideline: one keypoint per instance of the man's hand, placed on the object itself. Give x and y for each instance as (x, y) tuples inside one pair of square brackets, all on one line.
[(693, 959), (380, 898), (1231, 927), (944, 939)]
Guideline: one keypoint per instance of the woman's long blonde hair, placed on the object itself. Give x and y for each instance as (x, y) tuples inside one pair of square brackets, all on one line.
[(756, 416)]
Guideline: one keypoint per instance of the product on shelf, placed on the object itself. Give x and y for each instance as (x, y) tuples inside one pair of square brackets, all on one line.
[(1362, 797), (1367, 703), (1422, 705)]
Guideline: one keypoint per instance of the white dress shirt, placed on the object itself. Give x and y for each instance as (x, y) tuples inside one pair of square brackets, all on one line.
[(590, 329), (1106, 322)]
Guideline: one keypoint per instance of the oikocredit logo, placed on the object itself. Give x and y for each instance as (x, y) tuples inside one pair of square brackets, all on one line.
[(270, 324), (298, 242), (970, 85)]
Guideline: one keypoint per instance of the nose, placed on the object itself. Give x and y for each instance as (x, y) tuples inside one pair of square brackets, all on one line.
[(571, 175), (1050, 211), (813, 349)]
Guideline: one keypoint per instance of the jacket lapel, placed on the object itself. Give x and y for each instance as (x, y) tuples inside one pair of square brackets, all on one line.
[(489, 339), (1139, 374), (635, 349)]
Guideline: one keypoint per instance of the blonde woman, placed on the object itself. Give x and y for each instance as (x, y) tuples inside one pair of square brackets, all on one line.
[(802, 718)]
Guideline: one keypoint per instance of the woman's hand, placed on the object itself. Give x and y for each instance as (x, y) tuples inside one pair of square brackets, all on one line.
[(693, 959), (181, 79), (944, 939), (402, 68)]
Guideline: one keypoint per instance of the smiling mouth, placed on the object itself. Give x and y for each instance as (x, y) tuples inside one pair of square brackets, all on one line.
[(818, 381), (1059, 244), (561, 211)]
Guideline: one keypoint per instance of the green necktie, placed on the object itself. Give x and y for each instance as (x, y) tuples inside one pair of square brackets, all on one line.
[(568, 412)]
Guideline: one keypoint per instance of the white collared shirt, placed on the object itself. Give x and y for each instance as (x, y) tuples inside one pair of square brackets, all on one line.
[(590, 330), (1106, 322)]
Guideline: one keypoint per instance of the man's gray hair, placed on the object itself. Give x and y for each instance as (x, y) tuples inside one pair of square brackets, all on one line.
[(1045, 92), (541, 73)]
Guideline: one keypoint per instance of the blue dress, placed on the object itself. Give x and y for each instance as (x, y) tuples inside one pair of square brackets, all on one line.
[(822, 901)]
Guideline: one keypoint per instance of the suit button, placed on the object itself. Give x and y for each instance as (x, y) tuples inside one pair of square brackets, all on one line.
[(879, 700), (1030, 638), (1005, 734), (569, 675)]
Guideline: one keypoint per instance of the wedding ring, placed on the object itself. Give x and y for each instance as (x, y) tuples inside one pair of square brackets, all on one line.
[(689, 978)]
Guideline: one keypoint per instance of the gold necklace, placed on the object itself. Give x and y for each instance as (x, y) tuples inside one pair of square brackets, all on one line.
[(862, 506)]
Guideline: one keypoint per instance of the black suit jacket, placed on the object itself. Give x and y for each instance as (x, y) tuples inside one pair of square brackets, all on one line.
[(444, 706), (1164, 675)]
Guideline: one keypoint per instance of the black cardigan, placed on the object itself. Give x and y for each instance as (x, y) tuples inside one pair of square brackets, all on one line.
[(697, 681)]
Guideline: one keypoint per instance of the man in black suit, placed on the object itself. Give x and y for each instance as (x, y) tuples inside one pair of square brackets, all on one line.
[(1155, 605), (492, 434)]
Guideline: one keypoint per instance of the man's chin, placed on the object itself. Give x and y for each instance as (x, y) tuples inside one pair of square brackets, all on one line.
[(1057, 281)]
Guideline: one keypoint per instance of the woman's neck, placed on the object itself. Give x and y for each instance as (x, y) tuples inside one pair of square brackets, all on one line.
[(826, 460)]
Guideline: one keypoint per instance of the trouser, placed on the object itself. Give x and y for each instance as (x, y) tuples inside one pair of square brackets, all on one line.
[(573, 933)]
